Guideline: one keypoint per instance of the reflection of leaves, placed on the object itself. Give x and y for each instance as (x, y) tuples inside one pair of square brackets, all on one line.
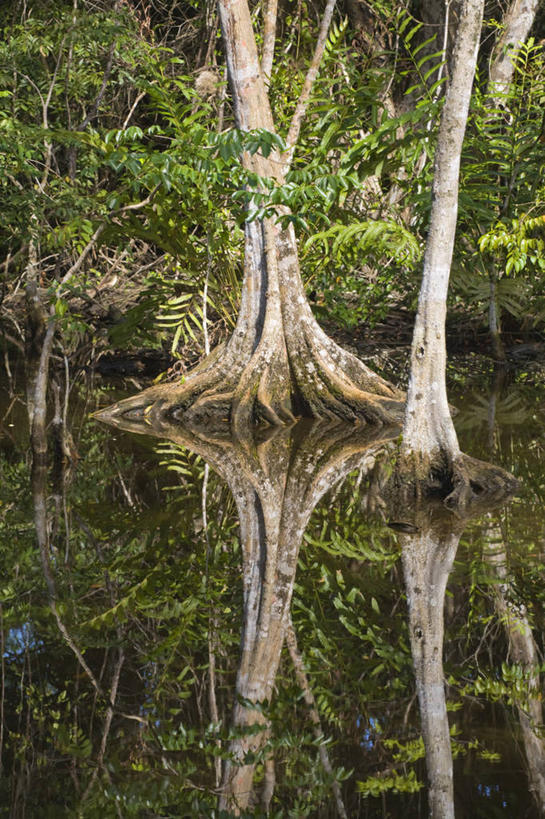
[(510, 409)]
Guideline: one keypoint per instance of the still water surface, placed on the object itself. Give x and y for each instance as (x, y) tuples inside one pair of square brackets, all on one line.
[(192, 626)]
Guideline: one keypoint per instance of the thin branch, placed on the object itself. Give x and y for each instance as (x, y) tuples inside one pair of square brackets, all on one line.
[(96, 235), (269, 36), (76, 267), (140, 96), (95, 106), (312, 73)]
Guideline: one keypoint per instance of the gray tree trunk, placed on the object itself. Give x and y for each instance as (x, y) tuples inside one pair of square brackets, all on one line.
[(428, 431), (430, 453), (279, 363)]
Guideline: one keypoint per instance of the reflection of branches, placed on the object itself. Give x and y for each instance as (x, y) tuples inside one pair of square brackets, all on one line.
[(41, 522), (522, 648), (302, 680)]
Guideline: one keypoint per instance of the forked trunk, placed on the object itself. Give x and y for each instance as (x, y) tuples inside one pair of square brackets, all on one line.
[(278, 363)]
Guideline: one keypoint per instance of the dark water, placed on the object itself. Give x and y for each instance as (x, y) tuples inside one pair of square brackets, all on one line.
[(126, 690)]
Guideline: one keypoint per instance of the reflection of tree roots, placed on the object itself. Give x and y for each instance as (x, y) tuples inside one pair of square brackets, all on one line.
[(463, 483)]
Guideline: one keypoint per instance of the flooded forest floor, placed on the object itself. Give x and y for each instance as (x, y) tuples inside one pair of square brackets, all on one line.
[(139, 678)]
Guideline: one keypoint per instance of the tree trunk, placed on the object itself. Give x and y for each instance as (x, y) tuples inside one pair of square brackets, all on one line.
[(517, 23), (430, 454), (278, 363)]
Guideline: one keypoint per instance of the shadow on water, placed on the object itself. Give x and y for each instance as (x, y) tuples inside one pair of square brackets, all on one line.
[(161, 659)]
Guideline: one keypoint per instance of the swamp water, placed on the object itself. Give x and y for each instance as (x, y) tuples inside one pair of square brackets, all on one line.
[(194, 627)]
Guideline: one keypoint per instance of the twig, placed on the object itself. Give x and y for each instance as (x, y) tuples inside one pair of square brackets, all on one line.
[(98, 232), (204, 306), (140, 96), (82, 256), (95, 106)]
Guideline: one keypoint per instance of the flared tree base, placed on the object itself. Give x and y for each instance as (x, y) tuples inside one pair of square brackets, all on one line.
[(281, 380)]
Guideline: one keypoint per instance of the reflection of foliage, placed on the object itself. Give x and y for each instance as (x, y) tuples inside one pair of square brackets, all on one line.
[(141, 575)]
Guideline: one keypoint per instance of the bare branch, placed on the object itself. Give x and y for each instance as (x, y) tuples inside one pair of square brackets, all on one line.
[(312, 73), (140, 96), (76, 267)]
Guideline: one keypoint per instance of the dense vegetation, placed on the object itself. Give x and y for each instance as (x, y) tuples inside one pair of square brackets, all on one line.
[(123, 192)]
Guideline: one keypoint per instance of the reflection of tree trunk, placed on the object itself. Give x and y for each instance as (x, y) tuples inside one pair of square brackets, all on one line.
[(522, 645), (276, 483), (427, 560), (523, 651)]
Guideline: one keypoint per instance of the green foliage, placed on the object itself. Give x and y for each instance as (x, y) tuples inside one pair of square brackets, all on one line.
[(501, 191)]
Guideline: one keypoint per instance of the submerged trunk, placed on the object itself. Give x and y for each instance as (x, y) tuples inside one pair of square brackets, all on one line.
[(278, 364)]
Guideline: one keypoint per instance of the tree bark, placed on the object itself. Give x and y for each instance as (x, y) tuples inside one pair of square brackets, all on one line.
[(278, 364), (430, 453), (428, 429)]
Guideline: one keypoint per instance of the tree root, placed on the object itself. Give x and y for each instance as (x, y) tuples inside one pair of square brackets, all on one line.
[(272, 386), (477, 482)]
